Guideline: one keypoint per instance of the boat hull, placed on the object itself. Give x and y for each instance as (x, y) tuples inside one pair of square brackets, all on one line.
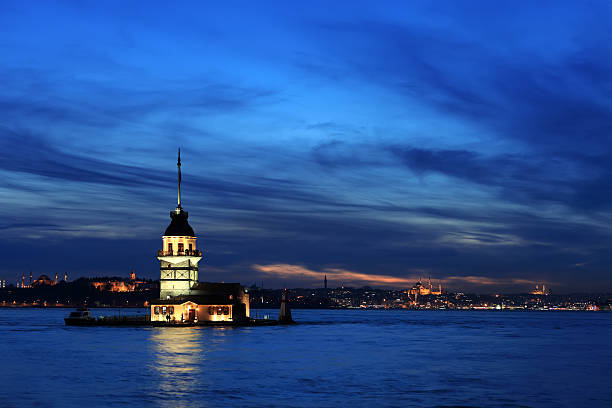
[(79, 322)]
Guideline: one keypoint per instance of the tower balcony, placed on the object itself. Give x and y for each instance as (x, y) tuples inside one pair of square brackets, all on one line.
[(186, 252)]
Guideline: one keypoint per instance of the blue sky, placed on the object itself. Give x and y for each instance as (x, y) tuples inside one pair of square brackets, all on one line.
[(467, 141)]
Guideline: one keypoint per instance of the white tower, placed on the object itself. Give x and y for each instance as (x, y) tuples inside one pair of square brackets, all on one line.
[(178, 257)]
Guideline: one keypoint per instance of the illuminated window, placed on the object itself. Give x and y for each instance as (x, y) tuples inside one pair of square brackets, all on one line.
[(163, 309), (211, 310), (171, 309), (190, 247), (156, 309), (225, 310), (181, 247), (170, 247)]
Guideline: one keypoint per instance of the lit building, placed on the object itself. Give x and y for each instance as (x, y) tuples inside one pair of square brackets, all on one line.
[(421, 290), (114, 286), (182, 298), (42, 281), (118, 285), (542, 291)]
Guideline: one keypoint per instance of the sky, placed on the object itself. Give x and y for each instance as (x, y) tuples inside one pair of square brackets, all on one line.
[(374, 142)]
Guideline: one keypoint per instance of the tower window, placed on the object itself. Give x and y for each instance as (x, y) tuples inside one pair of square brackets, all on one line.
[(190, 247), (170, 247), (181, 247)]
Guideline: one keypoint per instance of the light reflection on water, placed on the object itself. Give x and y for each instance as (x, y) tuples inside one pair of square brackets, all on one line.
[(333, 358), (178, 366)]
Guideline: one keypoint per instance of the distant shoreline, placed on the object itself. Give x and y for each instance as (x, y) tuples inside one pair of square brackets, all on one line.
[(324, 308)]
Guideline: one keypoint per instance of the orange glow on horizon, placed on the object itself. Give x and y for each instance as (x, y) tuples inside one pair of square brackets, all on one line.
[(288, 271)]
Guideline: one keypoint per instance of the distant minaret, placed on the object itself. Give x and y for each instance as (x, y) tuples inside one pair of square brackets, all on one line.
[(325, 282), (30, 277), (65, 276), (23, 281), (56, 278), (133, 275)]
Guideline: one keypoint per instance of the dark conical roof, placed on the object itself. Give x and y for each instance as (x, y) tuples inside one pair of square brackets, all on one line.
[(179, 227)]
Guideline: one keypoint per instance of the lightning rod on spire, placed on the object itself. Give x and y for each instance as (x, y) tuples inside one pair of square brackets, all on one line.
[(178, 163)]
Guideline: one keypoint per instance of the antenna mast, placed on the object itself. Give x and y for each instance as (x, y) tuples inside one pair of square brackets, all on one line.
[(178, 163)]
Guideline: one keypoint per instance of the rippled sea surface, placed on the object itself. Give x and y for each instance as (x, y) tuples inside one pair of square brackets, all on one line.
[(332, 358)]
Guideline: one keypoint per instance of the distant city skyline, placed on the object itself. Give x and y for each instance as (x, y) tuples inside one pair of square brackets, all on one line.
[(372, 143)]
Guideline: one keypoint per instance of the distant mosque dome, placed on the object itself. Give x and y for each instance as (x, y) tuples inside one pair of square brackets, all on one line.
[(43, 280), (179, 227)]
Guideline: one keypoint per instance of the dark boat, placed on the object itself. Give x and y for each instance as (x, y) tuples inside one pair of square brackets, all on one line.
[(81, 317)]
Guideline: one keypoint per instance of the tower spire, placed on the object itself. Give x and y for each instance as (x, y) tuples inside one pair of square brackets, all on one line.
[(178, 163)]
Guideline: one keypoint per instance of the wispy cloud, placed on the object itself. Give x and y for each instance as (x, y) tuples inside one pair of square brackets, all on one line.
[(346, 277), (488, 281), (297, 272), (379, 141)]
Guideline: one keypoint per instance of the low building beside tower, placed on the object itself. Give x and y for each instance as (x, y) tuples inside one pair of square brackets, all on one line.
[(182, 297), (213, 302)]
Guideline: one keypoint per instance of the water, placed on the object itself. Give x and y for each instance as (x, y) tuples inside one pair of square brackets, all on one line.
[(343, 358)]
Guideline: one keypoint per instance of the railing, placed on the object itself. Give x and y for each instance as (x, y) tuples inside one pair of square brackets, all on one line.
[(186, 252)]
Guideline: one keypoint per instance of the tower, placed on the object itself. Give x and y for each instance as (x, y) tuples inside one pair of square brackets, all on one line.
[(133, 275), (284, 316), (325, 282), (178, 257)]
